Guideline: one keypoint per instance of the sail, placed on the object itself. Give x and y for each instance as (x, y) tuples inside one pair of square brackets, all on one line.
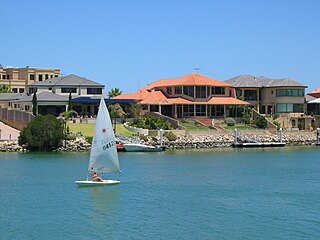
[(103, 155)]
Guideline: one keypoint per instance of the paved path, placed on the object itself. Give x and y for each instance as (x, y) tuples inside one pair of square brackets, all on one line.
[(8, 133)]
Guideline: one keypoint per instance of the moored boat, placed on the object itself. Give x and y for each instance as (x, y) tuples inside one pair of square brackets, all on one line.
[(138, 147)]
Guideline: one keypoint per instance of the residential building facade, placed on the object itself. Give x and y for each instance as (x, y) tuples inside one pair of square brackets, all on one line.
[(192, 95), (270, 96), (19, 78)]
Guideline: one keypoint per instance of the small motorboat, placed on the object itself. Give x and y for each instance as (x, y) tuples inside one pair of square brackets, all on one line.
[(138, 147)]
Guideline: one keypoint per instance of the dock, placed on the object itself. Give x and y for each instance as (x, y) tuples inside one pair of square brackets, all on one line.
[(259, 144)]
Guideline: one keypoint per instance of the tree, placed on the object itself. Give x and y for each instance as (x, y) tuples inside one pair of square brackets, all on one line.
[(34, 104), (5, 89), (116, 111), (114, 92), (261, 122), (70, 103), (43, 133)]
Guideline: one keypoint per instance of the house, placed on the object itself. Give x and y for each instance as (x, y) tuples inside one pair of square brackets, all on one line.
[(284, 97), (19, 78), (313, 107), (53, 96), (269, 96), (192, 95)]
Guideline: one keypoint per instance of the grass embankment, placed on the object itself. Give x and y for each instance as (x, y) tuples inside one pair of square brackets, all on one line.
[(87, 129)]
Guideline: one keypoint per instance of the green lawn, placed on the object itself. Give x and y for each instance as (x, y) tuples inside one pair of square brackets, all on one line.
[(87, 129), (242, 127)]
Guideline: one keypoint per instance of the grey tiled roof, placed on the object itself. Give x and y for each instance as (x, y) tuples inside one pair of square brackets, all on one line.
[(10, 96), (44, 96), (260, 82), (69, 80), (309, 98)]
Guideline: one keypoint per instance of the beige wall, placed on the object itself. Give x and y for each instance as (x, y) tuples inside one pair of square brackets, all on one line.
[(20, 77)]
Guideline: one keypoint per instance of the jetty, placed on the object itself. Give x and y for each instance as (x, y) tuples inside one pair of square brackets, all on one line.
[(256, 144)]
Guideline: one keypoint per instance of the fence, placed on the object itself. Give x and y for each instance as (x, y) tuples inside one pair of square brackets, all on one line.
[(15, 118)]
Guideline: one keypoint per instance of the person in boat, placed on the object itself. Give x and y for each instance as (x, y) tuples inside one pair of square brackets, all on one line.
[(95, 177)]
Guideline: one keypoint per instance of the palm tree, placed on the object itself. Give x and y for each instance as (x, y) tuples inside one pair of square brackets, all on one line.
[(114, 92), (5, 89), (116, 111)]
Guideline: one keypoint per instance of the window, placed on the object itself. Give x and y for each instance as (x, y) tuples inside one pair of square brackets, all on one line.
[(201, 110), (8, 76), (94, 90), (31, 77), (188, 90), (21, 90), (169, 90), (290, 92), (188, 110), (27, 107), (68, 90), (55, 75), (50, 88), (40, 77), (250, 95), (15, 90), (32, 90), (201, 91), (47, 76), (218, 91), (51, 76), (289, 108), (178, 90)]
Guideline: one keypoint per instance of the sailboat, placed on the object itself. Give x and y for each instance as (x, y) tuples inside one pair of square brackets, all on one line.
[(103, 154)]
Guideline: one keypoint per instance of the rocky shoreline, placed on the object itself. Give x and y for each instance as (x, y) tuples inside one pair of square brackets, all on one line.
[(186, 142)]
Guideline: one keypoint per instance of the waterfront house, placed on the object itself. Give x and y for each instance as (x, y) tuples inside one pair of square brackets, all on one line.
[(192, 95), (19, 78)]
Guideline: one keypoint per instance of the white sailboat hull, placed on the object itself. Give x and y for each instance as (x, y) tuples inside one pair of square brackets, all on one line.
[(89, 183), (137, 147)]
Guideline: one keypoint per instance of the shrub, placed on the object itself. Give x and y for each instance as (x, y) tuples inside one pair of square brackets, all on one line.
[(230, 121), (277, 124), (71, 137), (170, 136), (89, 139), (43, 133), (275, 116), (261, 122), (143, 137), (151, 122)]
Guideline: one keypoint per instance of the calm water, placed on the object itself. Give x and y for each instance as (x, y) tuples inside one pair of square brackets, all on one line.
[(216, 194)]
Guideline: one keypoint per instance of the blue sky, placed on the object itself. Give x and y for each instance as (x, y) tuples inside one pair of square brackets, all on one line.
[(127, 44)]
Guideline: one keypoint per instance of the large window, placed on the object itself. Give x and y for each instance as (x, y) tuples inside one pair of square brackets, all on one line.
[(31, 77), (201, 92), (289, 108), (178, 90), (188, 110), (32, 90), (40, 77), (94, 90), (290, 92), (201, 110), (218, 91), (250, 95), (68, 90), (169, 90), (188, 90)]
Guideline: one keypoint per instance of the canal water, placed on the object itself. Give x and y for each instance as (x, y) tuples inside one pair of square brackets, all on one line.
[(199, 194)]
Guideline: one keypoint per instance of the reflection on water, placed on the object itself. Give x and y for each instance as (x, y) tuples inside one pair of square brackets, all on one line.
[(103, 206)]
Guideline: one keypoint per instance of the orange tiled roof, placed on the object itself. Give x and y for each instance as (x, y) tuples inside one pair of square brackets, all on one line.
[(193, 79), (315, 91), (158, 98)]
